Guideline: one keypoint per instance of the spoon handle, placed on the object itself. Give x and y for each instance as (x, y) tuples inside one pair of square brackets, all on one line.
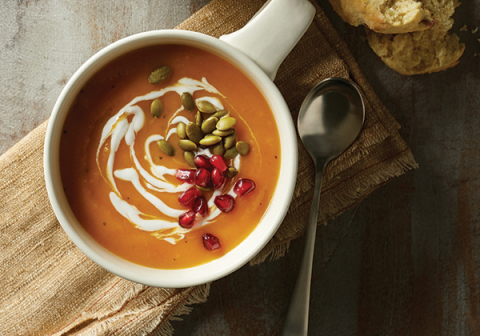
[(296, 323)]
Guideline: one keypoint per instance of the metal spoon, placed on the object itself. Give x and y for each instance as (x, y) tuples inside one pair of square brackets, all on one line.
[(330, 119)]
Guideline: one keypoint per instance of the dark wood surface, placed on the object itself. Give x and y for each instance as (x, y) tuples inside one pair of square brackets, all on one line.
[(406, 261)]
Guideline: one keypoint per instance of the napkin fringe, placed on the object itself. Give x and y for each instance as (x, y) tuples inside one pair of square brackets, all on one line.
[(271, 252), (359, 149), (396, 167), (199, 294), (162, 326)]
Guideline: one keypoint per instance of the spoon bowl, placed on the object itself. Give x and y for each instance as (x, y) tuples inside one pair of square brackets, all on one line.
[(330, 119)]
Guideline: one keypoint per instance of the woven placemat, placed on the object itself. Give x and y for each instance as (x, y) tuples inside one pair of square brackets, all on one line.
[(51, 288)]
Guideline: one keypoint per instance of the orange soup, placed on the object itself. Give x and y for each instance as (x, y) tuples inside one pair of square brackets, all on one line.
[(126, 156)]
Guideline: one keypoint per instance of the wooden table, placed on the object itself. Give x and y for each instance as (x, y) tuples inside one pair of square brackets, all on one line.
[(406, 261)]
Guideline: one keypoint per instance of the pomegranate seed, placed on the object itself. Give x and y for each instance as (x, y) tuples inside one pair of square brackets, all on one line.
[(200, 206), (218, 162), (243, 187), (186, 175), (202, 177), (217, 178), (211, 242), (187, 219), (188, 197), (202, 161), (224, 202)]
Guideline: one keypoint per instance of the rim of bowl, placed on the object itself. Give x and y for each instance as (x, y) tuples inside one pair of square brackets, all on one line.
[(241, 254)]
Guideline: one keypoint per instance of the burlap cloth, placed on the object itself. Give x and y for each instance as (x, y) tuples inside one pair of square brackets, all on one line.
[(49, 287)]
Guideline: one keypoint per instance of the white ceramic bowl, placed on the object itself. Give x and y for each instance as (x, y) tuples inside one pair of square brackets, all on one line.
[(239, 255)]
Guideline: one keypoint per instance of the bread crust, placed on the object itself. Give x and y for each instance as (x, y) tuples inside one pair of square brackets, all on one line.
[(382, 16)]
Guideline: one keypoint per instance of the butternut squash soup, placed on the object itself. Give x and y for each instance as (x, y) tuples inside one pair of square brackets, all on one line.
[(169, 156)]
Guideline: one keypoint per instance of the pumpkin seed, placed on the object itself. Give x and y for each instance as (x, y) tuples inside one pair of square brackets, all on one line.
[(242, 147), (206, 107), (198, 118), (230, 153), (209, 125), (217, 149), (194, 132), (181, 130), (226, 123), (219, 114), (203, 188), (210, 140), (187, 101), (231, 172), (156, 108), (189, 158), (166, 147), (159, 74), (229, 141), (187, 145), (223, 133)]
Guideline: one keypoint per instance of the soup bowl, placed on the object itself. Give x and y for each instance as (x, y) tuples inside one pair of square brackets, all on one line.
[(242, 49)]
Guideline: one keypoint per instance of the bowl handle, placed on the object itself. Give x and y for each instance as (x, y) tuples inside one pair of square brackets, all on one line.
[(273, 32)]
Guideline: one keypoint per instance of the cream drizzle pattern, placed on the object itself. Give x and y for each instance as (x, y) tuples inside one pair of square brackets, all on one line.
[(119, 127)]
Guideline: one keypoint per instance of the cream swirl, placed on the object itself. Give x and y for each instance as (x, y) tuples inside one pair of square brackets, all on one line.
[(121, 127)]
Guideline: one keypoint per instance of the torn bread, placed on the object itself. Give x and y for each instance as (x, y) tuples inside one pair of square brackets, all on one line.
[(420, 52)]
